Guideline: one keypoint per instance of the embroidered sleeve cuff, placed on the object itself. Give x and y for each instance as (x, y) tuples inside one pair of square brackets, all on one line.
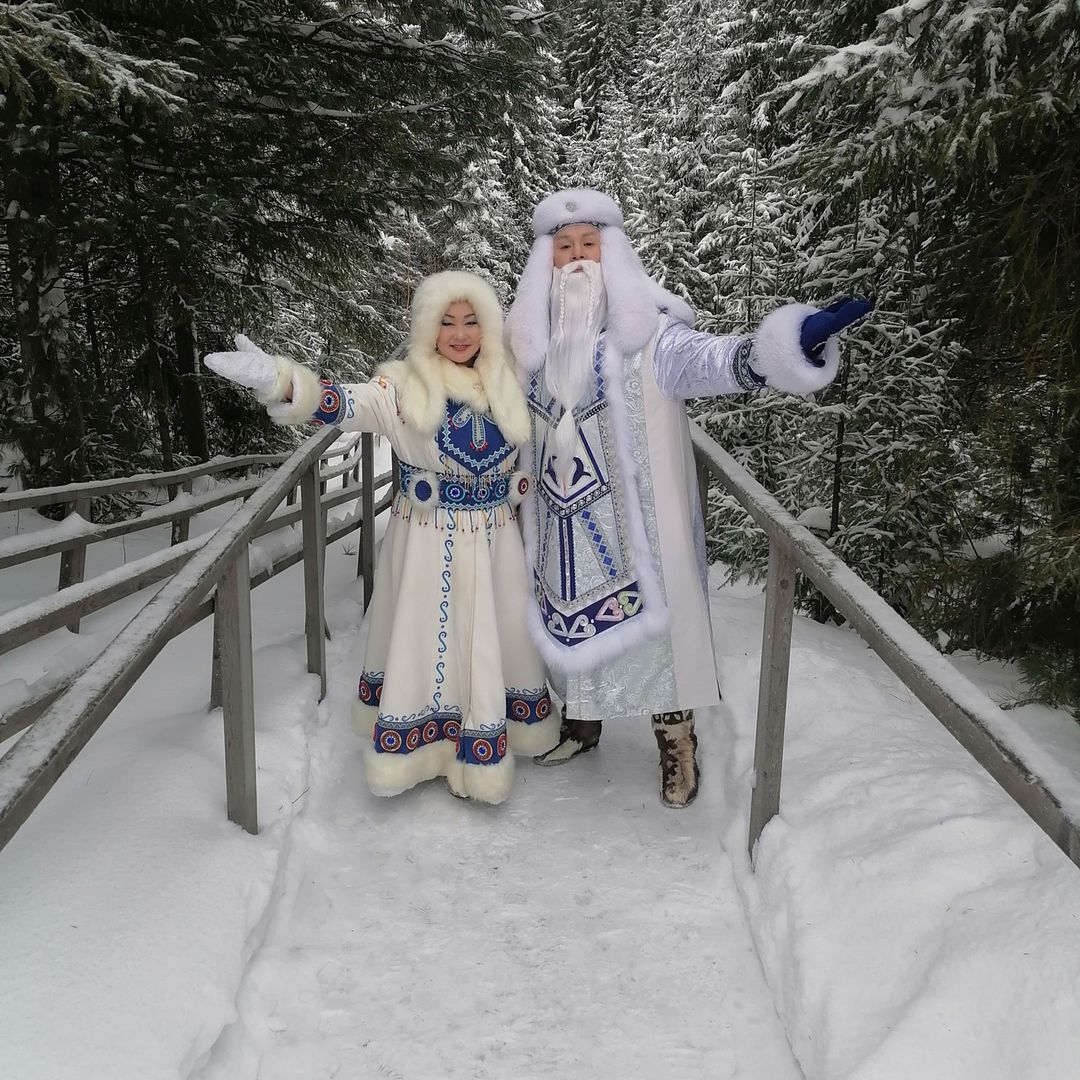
[(742, 367)]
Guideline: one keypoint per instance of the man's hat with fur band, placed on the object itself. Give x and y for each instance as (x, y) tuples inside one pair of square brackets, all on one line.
[(633, 297)]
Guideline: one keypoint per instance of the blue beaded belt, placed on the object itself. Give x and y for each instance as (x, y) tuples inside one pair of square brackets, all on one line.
[(429, 489)]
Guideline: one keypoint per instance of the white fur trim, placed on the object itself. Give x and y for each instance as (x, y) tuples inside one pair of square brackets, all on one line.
[(533, 739), (521, 483), (484, 783), (572, 207), (306, 393), (363, 719), (634, 299), (656, 618), (424, 379), (778, 356), (391, 774)]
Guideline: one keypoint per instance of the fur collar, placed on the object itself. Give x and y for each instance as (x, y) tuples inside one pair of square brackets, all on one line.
[(424, 380)]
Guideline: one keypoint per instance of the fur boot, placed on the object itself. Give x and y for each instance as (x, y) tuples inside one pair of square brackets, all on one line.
[(679, 775), (575, 737)]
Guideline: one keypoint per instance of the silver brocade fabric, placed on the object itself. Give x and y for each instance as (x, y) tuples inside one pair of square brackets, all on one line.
[(688, 363), (643, 679)]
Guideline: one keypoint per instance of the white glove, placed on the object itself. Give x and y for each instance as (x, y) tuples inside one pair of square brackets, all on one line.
[(249, 366)]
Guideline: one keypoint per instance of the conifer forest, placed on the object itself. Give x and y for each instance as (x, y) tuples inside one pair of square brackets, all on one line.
[(177, 172)]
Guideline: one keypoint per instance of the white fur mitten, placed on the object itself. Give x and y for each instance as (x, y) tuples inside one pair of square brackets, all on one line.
[(249, 366)]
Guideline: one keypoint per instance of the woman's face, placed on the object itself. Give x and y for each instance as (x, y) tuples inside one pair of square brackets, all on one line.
[(459, 333)]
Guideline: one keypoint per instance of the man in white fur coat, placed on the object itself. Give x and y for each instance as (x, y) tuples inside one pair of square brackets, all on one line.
[(614, 533)]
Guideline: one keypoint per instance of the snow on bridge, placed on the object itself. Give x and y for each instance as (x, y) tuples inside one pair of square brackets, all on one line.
[(905, 918)]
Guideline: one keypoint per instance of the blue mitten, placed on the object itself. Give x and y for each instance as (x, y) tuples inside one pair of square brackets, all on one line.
[(822, 325)]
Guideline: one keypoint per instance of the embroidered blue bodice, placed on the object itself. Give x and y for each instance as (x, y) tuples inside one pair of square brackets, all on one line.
[(471, 439)]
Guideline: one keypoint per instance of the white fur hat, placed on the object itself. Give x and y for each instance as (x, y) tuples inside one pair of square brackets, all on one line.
[(576, 206), (634, 299), (425, 380)]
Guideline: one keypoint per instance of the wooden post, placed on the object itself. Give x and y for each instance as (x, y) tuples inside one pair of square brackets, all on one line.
[(181, 530), (395, 475), (366, 565), (772, 691), (703, 488), (215, 659), (232, 613), (73, 561), (313, 518)]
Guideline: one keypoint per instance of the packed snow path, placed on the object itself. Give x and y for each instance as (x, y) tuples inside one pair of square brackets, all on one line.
[(579, 930), (910, 920)]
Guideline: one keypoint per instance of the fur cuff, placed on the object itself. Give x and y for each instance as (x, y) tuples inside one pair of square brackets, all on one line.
[(484, 783), (391, 774), (306, 393), (363, 719), (778, 356)]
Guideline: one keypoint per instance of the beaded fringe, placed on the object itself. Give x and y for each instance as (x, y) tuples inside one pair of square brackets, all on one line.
[(460, 519)]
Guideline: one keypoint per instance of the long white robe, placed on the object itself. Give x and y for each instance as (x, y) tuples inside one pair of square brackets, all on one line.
[(621, 611), (450, 675)]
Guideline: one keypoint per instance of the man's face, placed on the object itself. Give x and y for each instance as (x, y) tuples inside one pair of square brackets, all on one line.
[(576, 243)]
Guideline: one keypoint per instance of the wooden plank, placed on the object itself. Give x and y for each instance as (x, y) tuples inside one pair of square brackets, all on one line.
[(36, 619), (772, 691), (232, 625), (702, 468), (367, 517), (25, 714), (66, 493), (73, 561), (314, 526), (181, 527), (216, 695), (961, 707), (27, 548), (30, 768)]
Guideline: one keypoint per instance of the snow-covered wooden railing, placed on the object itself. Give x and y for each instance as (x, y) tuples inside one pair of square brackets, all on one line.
[(77, 531), (965, 711), (212, 575)]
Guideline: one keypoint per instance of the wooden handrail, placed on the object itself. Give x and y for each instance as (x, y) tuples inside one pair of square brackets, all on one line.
[(964, 710), (70, 493), (33, 765), (29, 622)]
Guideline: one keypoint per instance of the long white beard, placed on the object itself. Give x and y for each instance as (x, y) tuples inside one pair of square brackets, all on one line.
[(578, 311)]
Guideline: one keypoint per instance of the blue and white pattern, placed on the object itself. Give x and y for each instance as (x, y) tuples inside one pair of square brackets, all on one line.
[(585, 580), (527, 706), (335, 406), (452, 490), (472, 440)]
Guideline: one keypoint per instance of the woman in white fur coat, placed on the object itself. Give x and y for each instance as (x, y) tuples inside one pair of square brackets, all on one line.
[(451, 682)]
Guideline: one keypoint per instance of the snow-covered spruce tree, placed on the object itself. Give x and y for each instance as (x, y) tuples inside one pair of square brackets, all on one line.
[(969, 128), (52, 75), (303, 130)]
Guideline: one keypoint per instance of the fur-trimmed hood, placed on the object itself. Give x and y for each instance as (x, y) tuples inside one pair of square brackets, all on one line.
[(424, 379), (634, 299)]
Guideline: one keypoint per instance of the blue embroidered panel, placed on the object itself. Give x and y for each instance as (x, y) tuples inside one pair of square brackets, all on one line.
[(527, 706), (370, 689), (335, 405), (592, 619), (482, 747), (471, 439), (403, 735), (394, 736)]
